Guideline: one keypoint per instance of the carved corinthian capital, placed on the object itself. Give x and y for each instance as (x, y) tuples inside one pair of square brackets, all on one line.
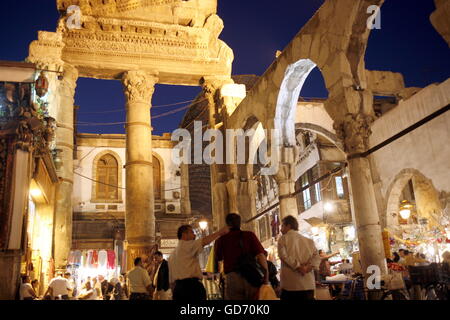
[(139, 86), (354, 132)]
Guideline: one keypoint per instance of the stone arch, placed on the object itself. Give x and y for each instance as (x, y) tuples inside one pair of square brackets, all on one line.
[(428, 195), (161, 175), (338, 55), (115, 155)]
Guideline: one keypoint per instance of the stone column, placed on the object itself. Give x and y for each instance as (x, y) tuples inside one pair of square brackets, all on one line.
[(354, 131), (140, 216), (285, 178), (185, 199), (64, 142), (219, 195)]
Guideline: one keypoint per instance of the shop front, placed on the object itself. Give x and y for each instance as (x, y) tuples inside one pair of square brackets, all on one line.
[(37, 262)]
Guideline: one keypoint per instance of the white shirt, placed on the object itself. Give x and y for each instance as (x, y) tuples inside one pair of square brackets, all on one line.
[(24, 290), (183, 262), (93, 295), (295, 250), (139, 280), (60, 286)]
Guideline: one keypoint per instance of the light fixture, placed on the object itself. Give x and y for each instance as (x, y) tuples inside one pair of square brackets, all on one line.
[(328, 207), (35, 192), (405, 209), (203, 224)]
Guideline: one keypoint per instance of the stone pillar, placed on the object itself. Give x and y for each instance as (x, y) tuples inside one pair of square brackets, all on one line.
[(219, 187), (185, 199), (285, 178), (140, 216), (64, 142), (354, 131)]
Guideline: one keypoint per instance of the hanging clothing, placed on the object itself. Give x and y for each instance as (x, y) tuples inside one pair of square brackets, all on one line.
[(77, 257), (111, 259), (102, 259), (89, 258), (71, 259), (84, 258), (94, 259)]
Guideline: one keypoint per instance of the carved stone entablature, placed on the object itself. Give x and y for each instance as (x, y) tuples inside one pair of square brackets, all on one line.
[(46, 52), (183, 12), (180, 39), (354, 131), (139, 86)]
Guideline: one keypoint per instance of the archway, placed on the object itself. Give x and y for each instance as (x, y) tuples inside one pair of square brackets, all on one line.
[(412, 184)]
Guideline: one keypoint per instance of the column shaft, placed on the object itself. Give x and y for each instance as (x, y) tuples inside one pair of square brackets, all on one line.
[(140, 216), (64, 142), (354, 131)]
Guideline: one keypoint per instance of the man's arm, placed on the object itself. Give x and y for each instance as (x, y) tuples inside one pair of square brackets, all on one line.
[(49, 291), (261, 258), (208, 239), (32, 293), (284, 256)]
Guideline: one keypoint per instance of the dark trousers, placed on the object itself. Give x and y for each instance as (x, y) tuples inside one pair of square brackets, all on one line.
[(297, 295), (189, 290), (139, 296), (63, 297)]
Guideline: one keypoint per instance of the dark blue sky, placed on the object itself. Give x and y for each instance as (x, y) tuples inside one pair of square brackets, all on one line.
[(254, 29)]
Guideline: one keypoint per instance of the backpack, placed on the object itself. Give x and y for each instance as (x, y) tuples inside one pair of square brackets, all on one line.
[(249, 268)]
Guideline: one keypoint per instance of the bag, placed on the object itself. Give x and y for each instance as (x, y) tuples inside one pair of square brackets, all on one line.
[(266, 292), (249, 268), (394, 281)]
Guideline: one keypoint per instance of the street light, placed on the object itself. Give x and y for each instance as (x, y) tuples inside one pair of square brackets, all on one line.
[(203, 224), (405, 209), (328, 206)]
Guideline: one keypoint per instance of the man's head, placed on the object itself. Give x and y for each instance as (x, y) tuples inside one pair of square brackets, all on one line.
[(186, 233), (138, 262), (289, 223), (35, 282), (88, 285), (158, 257), (25, 279), (67, 275), (321, 253), (401, 252), (233, 221)]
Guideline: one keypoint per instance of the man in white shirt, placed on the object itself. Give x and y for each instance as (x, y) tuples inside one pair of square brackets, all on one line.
[(26, 289), (59, 287), (185, 273), (139, 282), (299, 257)]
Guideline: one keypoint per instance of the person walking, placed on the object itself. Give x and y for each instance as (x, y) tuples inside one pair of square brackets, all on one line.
[(229, 249), (185, 274), (123, 283), (299, 257), (161, 278), (139, 281)]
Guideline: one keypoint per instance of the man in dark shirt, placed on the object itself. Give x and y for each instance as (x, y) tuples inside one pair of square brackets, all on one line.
[(228, 249)]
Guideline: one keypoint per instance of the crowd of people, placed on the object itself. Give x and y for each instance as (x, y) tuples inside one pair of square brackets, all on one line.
[(243, 266)]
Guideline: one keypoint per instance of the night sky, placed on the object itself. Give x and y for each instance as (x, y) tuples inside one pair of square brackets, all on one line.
[(255, 30)]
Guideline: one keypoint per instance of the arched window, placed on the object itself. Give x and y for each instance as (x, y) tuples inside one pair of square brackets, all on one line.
[(157, 179), (107, 177)]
